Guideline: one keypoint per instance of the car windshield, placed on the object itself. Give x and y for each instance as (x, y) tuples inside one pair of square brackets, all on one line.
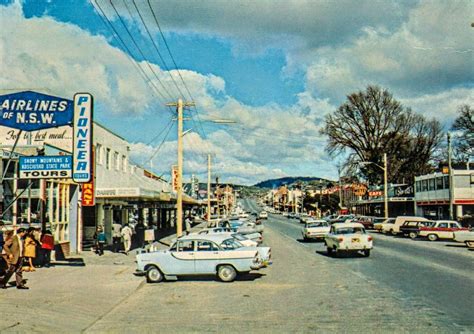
[(350, 230), (229, 244), (239, 237)]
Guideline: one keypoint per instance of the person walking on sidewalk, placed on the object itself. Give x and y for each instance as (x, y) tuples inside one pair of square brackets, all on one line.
[(30, 248), (101, 240), (116, 236), (47, 245), (14, 250), (127, 238)]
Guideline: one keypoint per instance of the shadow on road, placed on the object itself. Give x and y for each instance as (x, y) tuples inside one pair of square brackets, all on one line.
[(72, 262), (309, 241), (346, 255), (456, 245), (207, 278)]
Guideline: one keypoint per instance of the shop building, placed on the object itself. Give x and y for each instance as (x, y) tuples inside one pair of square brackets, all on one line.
[(434, 192)]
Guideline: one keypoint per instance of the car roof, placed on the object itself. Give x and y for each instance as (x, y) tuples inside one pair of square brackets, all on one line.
[(217, 238), (341, 225), (312, 221)]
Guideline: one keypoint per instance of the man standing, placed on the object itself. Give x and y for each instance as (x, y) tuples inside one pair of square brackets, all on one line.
[(116, 236), (127, 238), (14, 250)]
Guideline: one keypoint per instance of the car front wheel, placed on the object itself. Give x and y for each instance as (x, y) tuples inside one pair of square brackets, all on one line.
[(413, 235), (153, 275), (226, 273)]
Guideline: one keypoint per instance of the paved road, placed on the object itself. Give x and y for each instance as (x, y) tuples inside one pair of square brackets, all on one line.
[(435, 276)]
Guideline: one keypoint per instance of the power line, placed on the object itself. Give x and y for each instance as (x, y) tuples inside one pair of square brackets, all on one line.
[(140, 51), (161, 144), (176, 67), (155, 46), (117, 37)]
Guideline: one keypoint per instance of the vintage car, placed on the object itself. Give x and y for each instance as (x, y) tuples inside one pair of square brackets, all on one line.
[(412, 228), (219, 255), (263, 215), (315, 229), (348, 237), (441, 229), (394, 228), (466, 237)]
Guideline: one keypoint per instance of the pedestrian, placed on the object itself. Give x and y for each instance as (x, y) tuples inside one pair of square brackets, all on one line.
[(101, 240), (30, 248), (2, 238), (47, 245), (127, 238), (140, 231), (7, 235), (116, 236), (187, 223), (14, 250)]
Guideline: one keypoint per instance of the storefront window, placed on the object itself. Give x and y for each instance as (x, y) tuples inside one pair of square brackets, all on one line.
[(446, 182), (439, 183), (432, 184), (57, 204), (424, 185)]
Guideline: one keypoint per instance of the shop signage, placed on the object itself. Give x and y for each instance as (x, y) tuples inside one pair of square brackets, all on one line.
[(404, 191), (45, 167), (82, 138), (375, 193), (30, 111), (88, 196), (359, 189), (174, 177)]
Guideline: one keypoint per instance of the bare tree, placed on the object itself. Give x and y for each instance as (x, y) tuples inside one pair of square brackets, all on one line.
[(371, 123), (464, 134)]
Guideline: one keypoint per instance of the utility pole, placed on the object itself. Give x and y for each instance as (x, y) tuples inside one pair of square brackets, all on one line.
[(451, 186), (385, 193), (179, 210), (208, 188), (340, 188)]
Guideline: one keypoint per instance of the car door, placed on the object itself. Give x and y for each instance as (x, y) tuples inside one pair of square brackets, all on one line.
[(206, 257), (443, 230), (183, 255)]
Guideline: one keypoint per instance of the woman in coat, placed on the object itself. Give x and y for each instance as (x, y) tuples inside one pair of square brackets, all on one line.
[(30, 248)]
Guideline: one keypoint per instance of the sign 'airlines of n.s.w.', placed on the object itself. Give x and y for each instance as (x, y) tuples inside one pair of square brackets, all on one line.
[(30, 111)]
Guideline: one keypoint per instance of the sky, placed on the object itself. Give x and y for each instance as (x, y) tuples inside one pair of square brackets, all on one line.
[(275, 68)]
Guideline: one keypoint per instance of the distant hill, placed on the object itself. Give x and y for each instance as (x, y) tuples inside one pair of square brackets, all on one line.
[(275, 183)]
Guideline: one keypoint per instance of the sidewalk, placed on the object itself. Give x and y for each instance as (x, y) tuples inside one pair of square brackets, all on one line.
[(73, 294)]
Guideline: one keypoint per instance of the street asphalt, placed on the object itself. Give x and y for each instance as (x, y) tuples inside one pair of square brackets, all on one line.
[(304, 291)]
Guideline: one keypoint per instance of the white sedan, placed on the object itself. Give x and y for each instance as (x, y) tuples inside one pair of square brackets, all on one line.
[(348, 237), (315, 229)]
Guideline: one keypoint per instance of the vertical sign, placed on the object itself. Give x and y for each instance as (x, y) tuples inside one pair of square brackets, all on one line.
[(174, 177), (82, 139), (88, 188)]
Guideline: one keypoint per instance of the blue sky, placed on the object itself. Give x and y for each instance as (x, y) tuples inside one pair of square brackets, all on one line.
[(275, 67)]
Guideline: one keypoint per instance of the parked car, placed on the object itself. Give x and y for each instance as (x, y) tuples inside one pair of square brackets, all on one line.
[(348, 237), (466, 237), (263, 215), (259, 227), (441, 229), (395, 227), (316, 229), (378, 221), (199, 255), (412, 228), (368, 222), (304, 218)]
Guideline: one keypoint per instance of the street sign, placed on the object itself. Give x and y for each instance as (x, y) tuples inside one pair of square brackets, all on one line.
[(82, 138), (45, 167), (88, 194), (174, 177), (30, 111)]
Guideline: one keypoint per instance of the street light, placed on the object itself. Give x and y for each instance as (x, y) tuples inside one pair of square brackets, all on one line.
[(384, 168)]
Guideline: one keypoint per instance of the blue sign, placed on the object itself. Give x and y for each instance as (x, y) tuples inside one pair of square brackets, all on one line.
[(30, 111), (46, 167)]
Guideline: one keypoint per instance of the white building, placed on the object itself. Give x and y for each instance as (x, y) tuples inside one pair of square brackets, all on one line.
[(432, 194)]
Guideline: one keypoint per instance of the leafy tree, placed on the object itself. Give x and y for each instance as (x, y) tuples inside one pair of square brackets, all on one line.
[(371, 123), (464, 134)]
